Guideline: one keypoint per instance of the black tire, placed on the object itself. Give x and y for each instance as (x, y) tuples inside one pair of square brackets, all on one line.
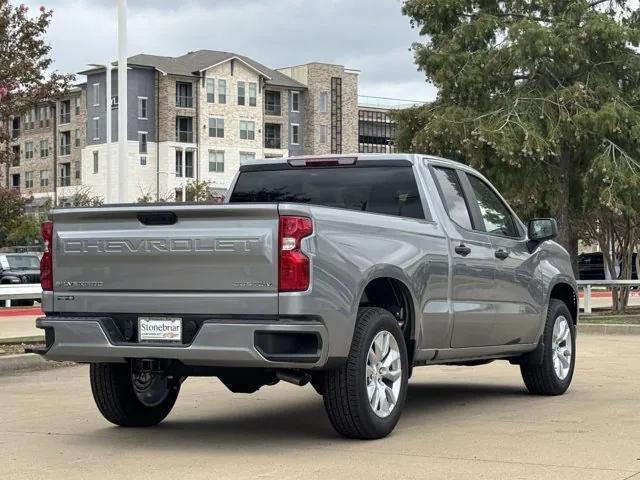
[(540, 378), (344, 389), (117, 401)]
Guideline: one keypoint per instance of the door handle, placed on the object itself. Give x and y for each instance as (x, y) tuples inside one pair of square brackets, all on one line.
[(463, 250), (501, 254)]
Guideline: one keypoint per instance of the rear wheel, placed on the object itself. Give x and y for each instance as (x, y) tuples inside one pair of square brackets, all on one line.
[(553, 375), (132, 399), (364, 398)]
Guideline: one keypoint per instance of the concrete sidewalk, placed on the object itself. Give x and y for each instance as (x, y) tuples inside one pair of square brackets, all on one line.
[(459, 423), (19, 326)]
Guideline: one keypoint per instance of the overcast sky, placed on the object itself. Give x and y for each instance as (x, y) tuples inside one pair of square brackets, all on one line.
[(368, 35)]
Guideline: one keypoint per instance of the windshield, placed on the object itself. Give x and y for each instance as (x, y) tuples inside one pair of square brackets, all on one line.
[(23, 262)]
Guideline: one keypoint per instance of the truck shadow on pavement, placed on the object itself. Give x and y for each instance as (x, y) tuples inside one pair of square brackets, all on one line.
[(301, 422)]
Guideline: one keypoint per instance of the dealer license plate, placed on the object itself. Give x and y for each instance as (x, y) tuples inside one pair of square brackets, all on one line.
[(160, 329)]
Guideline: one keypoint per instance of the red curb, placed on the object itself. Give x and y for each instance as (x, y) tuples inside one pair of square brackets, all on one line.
[(20, 312)]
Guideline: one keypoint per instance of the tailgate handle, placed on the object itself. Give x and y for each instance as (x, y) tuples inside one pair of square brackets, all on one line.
[(157, 218)]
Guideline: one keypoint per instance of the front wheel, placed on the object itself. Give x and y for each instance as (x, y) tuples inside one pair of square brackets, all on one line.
[(553, 376), (132, 399), (364, 398)]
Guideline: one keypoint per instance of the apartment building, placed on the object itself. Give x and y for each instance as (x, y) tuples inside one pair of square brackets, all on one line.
[(47, 142), (376, 125), (201, 115)]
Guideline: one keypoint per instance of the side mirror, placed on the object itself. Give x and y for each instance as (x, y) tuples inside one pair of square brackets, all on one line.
[(541, 229)]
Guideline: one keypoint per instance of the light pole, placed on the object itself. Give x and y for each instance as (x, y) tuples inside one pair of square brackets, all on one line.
[(122, 102), (110, 169)]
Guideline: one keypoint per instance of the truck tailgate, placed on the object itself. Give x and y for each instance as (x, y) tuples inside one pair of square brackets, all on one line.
[(213, 259)]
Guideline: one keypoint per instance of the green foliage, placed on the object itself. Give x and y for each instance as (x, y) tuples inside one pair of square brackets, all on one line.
[(82, 197), (11, 209), (25, 231), (200, 191), (542, 96), (25, 76)]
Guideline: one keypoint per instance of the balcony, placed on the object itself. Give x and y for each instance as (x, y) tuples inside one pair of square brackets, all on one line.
[(65, 150), (184, 136), (272, 143), (184, 101), (15, 133), (272, 103), (65, 181), (65, 117)]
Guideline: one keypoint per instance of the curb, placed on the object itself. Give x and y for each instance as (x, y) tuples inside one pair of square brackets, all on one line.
[(19, 340), (608, 329), (23, 363)]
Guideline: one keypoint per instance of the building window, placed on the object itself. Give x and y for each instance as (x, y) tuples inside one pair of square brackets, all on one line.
[(253, 92), (178, 163), (76, 166), (216, 161), (272, 103), (96, 94), (216, 127), (295, 134), (142, 142), (15, 161), (114, 102), (188, 164), (65, 112), (77, 105), (178, 194), (241, 93), (295, 101), (222, 91), (324, 132), (96, 128), (247, 157), (77, 137), (64, 177), (184, 94), (211, 90), (15, 181), (142, 108), (96, 162), (272, 135), (28, 150), (44, 148), (324, 99), (184, 129), (65, 143), (247, 130), (44, 178), (143, 160), (28, 180)]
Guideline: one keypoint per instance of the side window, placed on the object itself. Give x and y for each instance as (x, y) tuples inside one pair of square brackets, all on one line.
[(453, 196), (495, 214)]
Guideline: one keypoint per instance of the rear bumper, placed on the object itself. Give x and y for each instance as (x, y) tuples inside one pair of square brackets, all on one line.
[(217, 344)]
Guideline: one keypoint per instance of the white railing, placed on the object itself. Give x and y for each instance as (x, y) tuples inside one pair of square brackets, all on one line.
[(29, 291), (587, 284)]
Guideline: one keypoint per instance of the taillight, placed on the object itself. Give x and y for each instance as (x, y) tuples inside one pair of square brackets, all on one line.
[(46, 262), (293, 275)]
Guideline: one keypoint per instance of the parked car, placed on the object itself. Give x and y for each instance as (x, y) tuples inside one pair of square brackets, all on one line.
[(16, 268), (344, 271), (591, 267)]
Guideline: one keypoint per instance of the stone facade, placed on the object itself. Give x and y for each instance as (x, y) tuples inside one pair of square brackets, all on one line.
[(317, 126), (41, 157)]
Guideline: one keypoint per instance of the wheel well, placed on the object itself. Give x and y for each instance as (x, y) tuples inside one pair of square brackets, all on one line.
[(566, 293), (392, 295)]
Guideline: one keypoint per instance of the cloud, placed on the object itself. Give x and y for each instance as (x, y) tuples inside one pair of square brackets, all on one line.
[(369, 35)]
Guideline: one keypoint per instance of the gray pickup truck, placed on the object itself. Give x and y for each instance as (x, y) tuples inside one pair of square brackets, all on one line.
[(342, 271)]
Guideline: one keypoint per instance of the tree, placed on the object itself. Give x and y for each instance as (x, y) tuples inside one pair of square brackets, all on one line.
[(541, 95), (11, 209), (25, 231), (24, 63), (200, 191), (82, 197)]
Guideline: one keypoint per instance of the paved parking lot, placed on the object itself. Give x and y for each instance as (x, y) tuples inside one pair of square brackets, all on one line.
[(459, 423)]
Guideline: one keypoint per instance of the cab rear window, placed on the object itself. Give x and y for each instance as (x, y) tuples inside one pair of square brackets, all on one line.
[(389, 190)]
